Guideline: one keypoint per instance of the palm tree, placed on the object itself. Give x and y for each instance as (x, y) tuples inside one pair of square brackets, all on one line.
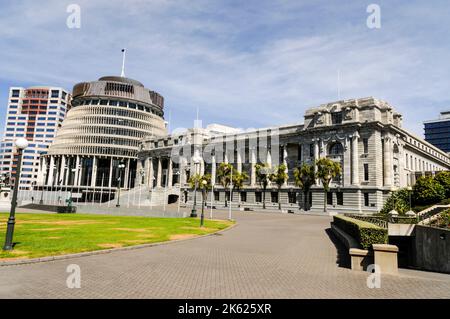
[(279, 177), (327, 169), (262, 175), (203, 182), (239, 179), (305, 178), (224, 176)]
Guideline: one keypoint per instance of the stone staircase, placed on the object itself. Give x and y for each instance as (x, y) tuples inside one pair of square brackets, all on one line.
[(145, 196)]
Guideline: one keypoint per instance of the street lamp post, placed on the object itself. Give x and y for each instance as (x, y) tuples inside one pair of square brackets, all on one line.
[(202, 216), (21, 144), (194, 210), (231, 194), (120, 166)]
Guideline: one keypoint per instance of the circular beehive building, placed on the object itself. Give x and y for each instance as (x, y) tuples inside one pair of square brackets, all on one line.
[(97, 145)]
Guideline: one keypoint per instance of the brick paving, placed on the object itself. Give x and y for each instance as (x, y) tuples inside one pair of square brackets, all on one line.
[(267, 255)]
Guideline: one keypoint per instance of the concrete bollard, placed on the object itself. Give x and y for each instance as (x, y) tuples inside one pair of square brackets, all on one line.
[(386, 258)]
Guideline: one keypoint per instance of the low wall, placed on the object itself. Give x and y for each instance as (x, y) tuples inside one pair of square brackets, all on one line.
[(432, 249)]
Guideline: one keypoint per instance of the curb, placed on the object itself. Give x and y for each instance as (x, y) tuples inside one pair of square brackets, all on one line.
[(106, 251)]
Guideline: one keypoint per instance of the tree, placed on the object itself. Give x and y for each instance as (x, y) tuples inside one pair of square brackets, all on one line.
[(262, 175), (443, 178), (305, 178), (427, 191), (224, 177), (327, 169), (398, 200), (279, 177), (239, 179), (203, 183)]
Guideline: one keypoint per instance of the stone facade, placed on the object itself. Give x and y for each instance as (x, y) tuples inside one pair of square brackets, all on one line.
[(365, 135)]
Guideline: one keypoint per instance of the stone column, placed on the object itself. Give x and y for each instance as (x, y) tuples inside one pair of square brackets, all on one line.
[(51, 170), (94, 171), (239, 161), (285, 162), (269, 158), (63, 170), (355, 159), (183, 176), (110, 172), (126, 174), (387, 167), (67, 171), (213, 170), (77, 172), (252, 167), (150, 173), (316, 157), (401, 166), (170, 173), (159, 173)]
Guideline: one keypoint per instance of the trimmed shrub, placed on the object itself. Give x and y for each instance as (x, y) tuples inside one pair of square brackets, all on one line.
[(364, 233)]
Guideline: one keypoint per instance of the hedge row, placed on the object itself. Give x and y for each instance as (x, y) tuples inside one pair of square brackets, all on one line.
[(363, 232)]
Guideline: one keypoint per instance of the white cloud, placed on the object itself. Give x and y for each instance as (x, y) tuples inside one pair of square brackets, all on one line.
[(243, 65)]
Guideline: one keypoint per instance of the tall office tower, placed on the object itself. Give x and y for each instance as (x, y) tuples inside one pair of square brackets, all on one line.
[(437, 132), (36, 114), (96, 148)]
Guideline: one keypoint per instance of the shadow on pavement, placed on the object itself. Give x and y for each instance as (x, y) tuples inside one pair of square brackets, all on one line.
[(342, 257)]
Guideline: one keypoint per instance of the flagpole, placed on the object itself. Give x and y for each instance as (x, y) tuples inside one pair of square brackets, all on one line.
[(124, 51)]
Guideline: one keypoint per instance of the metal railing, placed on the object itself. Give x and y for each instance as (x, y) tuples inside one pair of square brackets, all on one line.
[(379, 221)]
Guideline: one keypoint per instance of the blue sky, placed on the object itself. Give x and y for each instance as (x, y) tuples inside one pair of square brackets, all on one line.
[(242, 63)]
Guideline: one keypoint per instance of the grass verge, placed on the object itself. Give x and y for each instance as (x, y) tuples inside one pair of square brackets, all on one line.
[(40, 235)]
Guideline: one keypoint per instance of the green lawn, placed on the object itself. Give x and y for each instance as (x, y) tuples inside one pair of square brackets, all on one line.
[(39, 235)]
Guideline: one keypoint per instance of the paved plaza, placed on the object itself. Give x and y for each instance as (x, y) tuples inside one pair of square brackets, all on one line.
[(267, 255)]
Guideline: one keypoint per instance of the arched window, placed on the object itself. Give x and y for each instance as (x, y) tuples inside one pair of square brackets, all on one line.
[(336, 149)]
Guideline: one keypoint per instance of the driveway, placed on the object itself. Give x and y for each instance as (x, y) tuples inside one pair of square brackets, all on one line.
[(267, 255)]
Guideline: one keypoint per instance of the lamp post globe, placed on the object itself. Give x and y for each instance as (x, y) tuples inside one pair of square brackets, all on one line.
[(20, 144)]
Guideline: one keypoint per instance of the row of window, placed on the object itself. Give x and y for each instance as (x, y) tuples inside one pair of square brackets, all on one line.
[(292, 197), (124, 104)]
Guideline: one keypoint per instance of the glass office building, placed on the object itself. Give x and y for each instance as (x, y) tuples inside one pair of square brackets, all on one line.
[(437, 132)]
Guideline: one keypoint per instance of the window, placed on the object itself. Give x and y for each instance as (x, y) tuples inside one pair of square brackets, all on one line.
[(15, 93), (366, 172), (274, 197), (336, 149), (311, 150), (336, 118), (243, 196), (366, 145), (258, 197), (292, 196), (299, 154), (366, 199), (216, 196), (55, 94), (340, 198), (329, 198)]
